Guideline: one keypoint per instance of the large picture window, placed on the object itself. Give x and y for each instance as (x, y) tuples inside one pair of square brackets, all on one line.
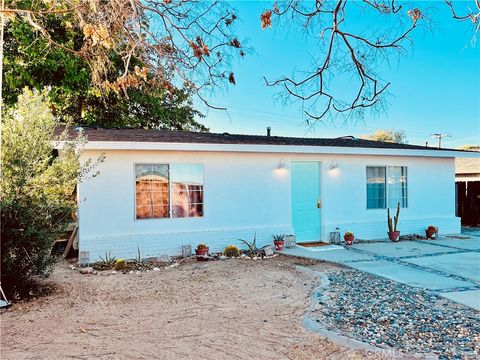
[(386, 185), (168, 190)]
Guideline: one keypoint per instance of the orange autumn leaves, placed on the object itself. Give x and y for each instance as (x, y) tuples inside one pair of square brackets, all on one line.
[(266, 19), (199, 48), (414, 14), (124, 82), (99, 35)]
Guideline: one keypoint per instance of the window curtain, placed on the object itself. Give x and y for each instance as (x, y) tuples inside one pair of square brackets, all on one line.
[(152, 191), (187, 190), (397, 186)]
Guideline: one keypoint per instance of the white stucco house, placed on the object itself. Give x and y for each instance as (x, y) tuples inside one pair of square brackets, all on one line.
[(159, 190)]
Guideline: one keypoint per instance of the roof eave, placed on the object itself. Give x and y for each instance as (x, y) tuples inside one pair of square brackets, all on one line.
[(253, 148)]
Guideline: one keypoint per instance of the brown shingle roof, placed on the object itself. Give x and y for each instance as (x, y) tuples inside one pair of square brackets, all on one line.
[(467, 165), (167, 136)]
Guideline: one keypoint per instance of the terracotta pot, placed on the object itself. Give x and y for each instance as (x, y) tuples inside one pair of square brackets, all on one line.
[(429, 233), (278, 244), (201, 254), (393, 235), (349, 239)]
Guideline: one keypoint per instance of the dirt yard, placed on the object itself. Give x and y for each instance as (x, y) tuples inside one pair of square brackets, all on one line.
[(233, 309)]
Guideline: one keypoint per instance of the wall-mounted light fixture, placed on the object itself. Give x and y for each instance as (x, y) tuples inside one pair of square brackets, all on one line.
[(281, 165), (281, 168), (333, 165)]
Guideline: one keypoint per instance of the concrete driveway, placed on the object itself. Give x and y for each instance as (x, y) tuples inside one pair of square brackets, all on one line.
[(448, 266)]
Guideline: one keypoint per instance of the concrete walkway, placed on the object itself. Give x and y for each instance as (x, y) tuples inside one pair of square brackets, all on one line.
[(448, 266)]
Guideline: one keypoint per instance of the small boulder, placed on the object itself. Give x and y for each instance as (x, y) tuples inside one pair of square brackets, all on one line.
[(87, 270), (383, 319), (269, 251), (164, 259)]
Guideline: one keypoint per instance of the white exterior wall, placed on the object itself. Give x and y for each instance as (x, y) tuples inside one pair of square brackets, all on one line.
[(244, 194)]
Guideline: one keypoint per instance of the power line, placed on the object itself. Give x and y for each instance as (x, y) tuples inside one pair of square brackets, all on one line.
[(296, 120)]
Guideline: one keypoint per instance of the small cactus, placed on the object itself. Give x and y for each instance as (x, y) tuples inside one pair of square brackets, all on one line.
[(120, 264), (231, 251), (202, 246)]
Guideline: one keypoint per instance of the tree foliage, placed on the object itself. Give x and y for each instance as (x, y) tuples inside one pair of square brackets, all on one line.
[(393, 136), (37, 188), (137, 44), (31, 61), (470, 147)]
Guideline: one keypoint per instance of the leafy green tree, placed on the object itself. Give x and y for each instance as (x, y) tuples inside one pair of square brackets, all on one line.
[(30, 61), (109, 57), (37, 188), (393, 136)]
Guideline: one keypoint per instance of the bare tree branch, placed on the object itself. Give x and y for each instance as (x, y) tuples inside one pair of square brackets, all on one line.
[(347, 50)]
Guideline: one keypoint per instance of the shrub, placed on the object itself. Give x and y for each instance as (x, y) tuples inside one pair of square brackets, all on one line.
[(231, 251), (201, 246), (349, 233), (37, 189)]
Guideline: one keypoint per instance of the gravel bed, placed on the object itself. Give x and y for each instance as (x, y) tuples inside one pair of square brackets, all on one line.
[(388, 314)]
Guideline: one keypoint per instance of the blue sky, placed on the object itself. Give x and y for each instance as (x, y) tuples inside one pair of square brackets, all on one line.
[(435, 88)]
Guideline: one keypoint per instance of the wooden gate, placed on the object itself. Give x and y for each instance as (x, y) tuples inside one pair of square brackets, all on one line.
[(468, 202)]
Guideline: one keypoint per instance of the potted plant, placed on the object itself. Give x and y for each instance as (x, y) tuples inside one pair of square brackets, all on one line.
[(393, 234), (431, 232), (279, 241), (201, 251), (349, 237)]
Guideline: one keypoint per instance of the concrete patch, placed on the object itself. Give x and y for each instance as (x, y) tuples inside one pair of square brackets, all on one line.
[(471, 231), (339, 255), (322, 248), (469, 298), (408, 275), (466, 244), (466, 265), (402, 248)]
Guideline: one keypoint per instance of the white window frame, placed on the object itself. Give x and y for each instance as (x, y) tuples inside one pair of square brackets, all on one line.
[(170, 205), (387, 195)]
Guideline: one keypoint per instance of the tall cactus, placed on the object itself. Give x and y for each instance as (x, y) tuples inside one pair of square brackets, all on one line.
[(396, 216), (389, 220), (392, 226)]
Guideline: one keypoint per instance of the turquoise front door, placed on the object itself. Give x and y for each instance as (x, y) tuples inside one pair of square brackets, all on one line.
[(306, 200)]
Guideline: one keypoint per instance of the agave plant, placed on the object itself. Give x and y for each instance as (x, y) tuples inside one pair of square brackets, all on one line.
[(108, 262), (252, 246), (279, 237)]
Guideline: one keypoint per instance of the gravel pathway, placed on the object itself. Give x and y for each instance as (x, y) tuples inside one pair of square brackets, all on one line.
[(387, 314)]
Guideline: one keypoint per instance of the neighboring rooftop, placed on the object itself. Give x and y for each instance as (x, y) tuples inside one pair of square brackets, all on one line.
[(168, 136), (468, 167)]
